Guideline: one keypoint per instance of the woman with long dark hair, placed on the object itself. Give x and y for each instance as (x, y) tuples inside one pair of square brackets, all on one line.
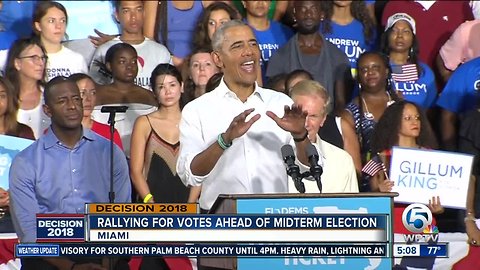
[(25, 69), (155, 142), (8, 113), (213, 16), (403, 124)]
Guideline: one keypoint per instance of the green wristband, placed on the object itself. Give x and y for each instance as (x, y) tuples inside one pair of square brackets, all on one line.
[(222, 143)]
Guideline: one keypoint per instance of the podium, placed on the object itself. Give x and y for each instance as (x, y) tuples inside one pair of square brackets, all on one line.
[(326, 203)]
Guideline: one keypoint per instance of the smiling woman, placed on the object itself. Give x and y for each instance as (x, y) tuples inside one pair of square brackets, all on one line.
[(49, 23)]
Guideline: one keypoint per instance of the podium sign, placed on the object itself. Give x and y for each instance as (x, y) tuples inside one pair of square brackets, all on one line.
[(344, 204)]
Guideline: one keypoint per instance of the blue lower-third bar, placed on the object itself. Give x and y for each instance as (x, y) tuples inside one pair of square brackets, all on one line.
[(36, 250)]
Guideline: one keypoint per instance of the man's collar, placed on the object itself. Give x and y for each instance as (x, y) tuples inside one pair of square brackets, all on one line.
[(225, 91), (319, 143), (51, 139)]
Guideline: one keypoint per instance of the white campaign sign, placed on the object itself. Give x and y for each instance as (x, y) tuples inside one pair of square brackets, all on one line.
[(420, 174)]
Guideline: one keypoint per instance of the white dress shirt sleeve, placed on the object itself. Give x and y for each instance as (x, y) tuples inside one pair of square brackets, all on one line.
[(191, 144)]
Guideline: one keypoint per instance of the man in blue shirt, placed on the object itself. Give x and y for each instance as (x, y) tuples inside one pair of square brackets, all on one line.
[(64, 169), (460, 95)]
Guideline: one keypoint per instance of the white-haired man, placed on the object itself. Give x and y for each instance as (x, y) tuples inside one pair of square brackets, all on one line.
[(338, 170)]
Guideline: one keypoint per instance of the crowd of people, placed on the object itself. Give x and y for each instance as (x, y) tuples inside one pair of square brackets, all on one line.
[(214, 89)]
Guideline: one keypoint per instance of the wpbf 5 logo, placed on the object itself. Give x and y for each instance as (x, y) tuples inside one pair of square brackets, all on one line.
[(417, 218)]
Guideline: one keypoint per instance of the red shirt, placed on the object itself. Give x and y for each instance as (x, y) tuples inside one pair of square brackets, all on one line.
[(104, 131)]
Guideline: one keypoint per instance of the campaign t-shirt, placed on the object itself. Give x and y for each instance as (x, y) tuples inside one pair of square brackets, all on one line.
[(350, 40), (269, 41), (461, 93), (422, 91), (65, 63)]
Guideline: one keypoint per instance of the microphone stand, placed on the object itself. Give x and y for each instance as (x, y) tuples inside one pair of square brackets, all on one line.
[(316, 170), (111, 121), (293, 170)]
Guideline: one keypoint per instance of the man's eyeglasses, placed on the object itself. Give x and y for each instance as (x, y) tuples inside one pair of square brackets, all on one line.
[(35, 58)]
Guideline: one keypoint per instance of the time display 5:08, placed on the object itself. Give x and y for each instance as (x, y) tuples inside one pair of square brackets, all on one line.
[(402, 250)]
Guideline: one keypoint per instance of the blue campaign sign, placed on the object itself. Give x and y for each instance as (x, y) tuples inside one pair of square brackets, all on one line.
[(340, 205), (60, 228), (420, 174), (9, 148)]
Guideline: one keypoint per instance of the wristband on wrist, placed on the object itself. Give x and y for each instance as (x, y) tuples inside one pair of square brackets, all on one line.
[(301, 139), (469, 218), (222, 143), (147, 198)]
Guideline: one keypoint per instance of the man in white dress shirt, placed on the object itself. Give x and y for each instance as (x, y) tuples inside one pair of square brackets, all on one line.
[(230, 138), (338, 170)]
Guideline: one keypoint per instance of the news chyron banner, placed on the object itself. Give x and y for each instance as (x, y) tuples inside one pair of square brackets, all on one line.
[(300, 233)]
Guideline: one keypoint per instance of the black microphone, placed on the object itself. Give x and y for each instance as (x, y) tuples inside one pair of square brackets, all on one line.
[(315, 169), (112, 110), (120, 109), (292, 169)]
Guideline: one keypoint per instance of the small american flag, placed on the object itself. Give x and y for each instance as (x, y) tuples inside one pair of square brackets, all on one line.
[(373, 166), (404, 73)]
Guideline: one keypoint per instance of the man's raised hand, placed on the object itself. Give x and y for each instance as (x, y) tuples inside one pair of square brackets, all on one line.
[(238, 126), (292, 121)]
